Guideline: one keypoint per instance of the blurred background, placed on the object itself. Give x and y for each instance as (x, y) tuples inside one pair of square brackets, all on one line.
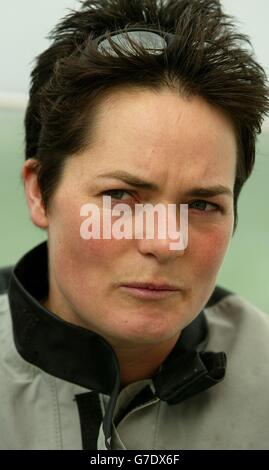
[(24, 27)]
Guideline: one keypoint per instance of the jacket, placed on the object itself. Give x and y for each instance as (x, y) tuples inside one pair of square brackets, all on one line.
[(60, 386)]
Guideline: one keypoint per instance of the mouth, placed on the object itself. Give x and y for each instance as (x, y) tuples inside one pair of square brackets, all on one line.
[(150, 291)]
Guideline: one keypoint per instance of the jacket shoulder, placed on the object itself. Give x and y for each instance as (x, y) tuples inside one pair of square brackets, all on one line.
[(219, 293), (236, 324)]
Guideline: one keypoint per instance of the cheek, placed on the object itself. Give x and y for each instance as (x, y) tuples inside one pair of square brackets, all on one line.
[(87, 256), (100, 252), (86, 267), (209, 251), (64, 230)]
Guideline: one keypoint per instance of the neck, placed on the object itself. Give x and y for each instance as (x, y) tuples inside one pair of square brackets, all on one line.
[(142, 362), (137, 362)]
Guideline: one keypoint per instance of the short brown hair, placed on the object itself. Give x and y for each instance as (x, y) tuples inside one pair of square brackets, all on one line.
[(207, 57)]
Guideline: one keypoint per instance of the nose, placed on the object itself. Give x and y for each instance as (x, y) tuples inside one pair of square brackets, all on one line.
[(165, 247)]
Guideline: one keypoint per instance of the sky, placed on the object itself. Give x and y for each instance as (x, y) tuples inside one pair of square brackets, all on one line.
[(25, 24)]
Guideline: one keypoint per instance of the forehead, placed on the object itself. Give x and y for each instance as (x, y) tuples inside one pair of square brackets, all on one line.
[(155, 134)]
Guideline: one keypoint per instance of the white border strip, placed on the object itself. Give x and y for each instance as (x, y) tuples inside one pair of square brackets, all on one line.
[(18, 101)]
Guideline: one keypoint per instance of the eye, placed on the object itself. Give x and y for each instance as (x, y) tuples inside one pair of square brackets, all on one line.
[(201, 205), (114, 192)]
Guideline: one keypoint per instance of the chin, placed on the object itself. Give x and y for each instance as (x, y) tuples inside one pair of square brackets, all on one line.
[(149, 334)]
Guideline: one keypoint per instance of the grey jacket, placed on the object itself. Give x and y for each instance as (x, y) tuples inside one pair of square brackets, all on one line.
[(60, 383)]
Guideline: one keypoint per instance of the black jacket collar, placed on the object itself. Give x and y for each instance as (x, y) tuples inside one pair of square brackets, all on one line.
[(83, 357)]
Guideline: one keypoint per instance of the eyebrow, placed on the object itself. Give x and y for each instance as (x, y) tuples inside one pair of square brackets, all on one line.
[(137, 182)]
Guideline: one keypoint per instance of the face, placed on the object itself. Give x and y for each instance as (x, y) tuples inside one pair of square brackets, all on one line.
[(177, 144)]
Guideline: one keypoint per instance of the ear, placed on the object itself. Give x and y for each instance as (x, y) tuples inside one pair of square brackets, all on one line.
[(33, 194)]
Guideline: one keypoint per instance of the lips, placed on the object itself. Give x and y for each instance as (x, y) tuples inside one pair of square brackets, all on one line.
[(152, 286), (150, 291)]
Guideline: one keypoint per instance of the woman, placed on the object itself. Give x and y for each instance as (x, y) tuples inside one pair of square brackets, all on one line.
[(121, 343)]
